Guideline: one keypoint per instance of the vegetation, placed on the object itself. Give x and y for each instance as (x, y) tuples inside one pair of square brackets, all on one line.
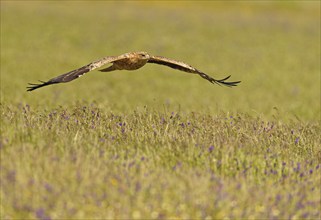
[(157, 143)]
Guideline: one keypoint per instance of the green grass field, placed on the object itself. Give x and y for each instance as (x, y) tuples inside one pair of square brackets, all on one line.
[(158, 143)]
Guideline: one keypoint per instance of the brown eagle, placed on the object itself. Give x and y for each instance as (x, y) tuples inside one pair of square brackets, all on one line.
[(129, 61)]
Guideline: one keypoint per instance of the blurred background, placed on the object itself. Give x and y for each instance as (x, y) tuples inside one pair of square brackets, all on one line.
[(273, 47)]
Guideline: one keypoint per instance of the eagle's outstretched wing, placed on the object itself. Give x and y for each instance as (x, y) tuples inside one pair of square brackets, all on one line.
[(187, 68), (129, 61), (74, 74)]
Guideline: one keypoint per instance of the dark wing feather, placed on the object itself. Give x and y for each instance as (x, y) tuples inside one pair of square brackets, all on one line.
[(187, 68), (74, 74)]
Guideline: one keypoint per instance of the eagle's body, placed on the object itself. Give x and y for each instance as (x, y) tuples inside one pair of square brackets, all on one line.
[(129, 61), (132, 61)]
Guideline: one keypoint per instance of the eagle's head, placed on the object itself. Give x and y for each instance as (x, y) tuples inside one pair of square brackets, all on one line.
[(143, 55)]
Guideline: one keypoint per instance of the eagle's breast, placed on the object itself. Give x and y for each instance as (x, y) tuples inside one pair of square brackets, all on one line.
[(130, 63)]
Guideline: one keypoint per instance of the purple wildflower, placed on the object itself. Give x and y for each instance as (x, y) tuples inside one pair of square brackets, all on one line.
[(178, 165), (27, 208), (40, 213), (101, 152), (278, 198), (131, 164), (138, 186), (31, 182), (78, 176), (211, 148), (48, 187), (11, 176), (298, 167), (299, 205), (296, 140), (273, 171), (265, 172)]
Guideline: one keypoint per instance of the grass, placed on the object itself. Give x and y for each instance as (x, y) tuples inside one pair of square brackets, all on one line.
[(157, 143)]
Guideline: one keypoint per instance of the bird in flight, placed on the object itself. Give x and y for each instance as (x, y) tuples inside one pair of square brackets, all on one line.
[(129, 61)]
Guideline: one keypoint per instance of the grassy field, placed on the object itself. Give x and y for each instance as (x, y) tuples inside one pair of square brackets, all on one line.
[(157, 143)]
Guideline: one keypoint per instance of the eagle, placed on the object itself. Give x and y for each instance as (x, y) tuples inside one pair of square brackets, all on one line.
[(129, 61)]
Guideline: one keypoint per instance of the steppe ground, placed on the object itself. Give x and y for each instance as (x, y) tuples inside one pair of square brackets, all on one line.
[(158, 143)]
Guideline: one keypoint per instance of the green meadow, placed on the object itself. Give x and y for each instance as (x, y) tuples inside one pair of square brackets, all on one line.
[(157, 143)]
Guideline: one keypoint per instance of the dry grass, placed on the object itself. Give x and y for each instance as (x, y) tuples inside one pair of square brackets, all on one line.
[(157, 143)]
